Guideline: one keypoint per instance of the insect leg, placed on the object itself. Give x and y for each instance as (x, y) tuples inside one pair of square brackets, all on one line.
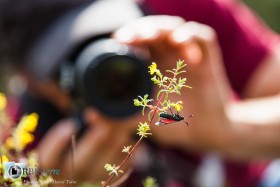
[(187, 118), (171, 111)]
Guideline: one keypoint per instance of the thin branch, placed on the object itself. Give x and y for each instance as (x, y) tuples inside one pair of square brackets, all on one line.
[(123, 178), (123, 162), (73, 151), (106, 183)]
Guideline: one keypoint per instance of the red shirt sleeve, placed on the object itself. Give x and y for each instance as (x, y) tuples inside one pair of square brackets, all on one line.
[(245, 41)]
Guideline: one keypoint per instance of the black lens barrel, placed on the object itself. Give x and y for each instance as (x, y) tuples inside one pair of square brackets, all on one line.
[(109, 75)]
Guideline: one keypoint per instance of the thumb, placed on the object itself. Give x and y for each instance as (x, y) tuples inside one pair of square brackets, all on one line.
[(198, 44)]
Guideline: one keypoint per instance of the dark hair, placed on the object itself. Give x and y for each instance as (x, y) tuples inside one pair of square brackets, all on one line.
[(23, 22)]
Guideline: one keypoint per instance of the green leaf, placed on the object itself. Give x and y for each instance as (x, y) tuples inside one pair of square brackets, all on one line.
[(137, 102), (155, 80), (150, 182), (126, 149), (180, 64), (112, 169)]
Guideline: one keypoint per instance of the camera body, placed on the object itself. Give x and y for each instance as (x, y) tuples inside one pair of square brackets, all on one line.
[(98, 71), (108, 76)]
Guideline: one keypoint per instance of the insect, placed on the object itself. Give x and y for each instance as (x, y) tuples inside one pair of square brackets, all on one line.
[(166, 118)]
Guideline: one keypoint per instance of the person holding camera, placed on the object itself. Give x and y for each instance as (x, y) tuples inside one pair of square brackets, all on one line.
[(73, 80)]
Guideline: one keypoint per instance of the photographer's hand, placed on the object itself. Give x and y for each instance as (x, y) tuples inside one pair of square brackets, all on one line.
[(169, 39), (101, 143), (241, 129)]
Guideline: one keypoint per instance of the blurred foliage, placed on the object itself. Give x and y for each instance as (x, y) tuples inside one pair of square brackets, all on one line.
[(13, 140), (150, 182), (269, 10)]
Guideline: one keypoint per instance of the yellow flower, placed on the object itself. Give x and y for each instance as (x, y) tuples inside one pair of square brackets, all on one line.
[(30, 122), (179, 106), (10, 143), (3, 101), (22, 135), (153, 68), (21, 139), (143, 130), (4, 159), (26, 138)]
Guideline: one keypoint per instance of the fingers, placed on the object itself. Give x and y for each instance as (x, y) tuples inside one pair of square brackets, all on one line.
[(111, 153), (150, 35), (54, 144), (188, 30), (197, 42), (101, 143), (171, 38), (147, 29), (90, 147), (55, 149), (160, 33)]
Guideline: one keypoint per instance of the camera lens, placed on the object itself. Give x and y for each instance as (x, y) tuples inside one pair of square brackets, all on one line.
[(110, 75), (116, 80)]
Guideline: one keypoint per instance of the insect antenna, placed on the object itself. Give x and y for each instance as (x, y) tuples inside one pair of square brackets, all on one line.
[(187, 118)]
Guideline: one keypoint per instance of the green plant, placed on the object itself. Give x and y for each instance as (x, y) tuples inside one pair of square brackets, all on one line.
[(15, 137), (167, 86), (150, 182), (13, 140)]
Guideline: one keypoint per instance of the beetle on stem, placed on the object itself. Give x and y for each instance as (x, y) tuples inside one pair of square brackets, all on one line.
[(166, 118)]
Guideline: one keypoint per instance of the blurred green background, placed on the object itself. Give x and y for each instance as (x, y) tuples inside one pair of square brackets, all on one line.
[(268, 10)]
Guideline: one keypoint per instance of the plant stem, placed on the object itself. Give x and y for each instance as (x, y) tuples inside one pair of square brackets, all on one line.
[(123, 162), (73, 152), (105, 184)]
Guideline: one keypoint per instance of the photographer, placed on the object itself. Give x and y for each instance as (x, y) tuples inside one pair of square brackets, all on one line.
[(224, 121)]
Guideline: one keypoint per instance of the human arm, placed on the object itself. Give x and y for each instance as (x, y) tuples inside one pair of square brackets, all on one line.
[(259, 111), (251, 60), (215, 126)]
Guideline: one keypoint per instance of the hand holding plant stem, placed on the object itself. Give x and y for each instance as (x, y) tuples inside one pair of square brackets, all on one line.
[(167, 85)]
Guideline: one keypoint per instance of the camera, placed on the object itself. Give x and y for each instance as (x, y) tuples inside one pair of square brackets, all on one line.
[(107, 75), (77, 52)]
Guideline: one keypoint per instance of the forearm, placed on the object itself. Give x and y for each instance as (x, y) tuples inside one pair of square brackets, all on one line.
[(255, 122), (254, 128)]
